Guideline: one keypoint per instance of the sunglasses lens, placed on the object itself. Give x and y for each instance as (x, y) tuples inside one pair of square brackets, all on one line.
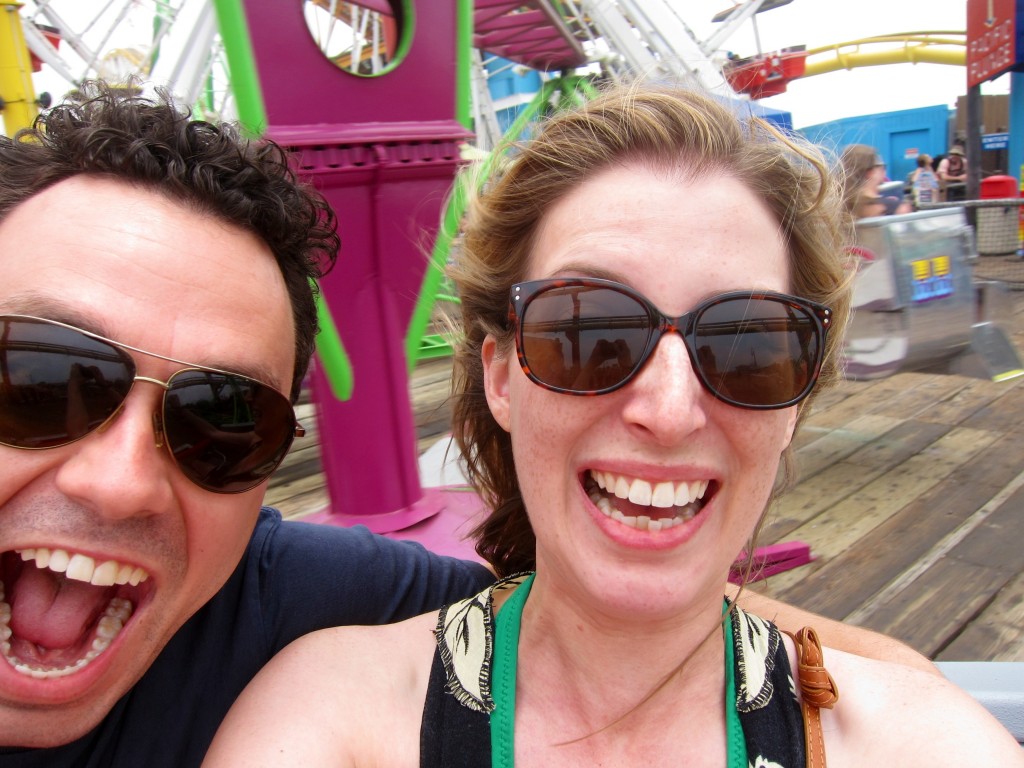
[(227, 433), (56, 384), (757, 352), (584, 338)]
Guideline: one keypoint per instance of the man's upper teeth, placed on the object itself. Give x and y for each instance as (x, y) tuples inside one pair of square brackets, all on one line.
[(79, 567), (664, 494)]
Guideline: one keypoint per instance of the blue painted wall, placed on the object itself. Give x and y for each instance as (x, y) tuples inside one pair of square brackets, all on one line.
[(898, 136)]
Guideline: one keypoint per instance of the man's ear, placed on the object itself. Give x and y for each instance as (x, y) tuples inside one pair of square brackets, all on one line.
[(496, 373)]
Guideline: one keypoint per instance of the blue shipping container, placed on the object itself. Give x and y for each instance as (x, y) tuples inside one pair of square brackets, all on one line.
[(898, 136)]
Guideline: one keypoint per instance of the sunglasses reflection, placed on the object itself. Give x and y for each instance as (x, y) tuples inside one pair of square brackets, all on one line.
[(225, 432), (595, 374), (91, 399), (212, 424)]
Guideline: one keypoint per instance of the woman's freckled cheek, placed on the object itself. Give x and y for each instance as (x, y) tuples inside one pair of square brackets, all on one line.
[(545, 429)]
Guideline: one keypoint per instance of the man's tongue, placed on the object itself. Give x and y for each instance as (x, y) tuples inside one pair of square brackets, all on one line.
[(53, 611)]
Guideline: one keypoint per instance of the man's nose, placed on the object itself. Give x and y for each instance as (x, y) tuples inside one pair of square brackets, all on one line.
[(121, 470)]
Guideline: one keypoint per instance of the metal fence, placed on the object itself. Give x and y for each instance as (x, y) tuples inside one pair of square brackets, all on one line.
[(997, 233)]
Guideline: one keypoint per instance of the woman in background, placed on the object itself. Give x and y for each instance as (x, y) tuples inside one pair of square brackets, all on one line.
[(864, 172)]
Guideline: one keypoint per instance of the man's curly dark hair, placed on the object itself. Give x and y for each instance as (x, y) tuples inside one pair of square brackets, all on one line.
[(209, 168)]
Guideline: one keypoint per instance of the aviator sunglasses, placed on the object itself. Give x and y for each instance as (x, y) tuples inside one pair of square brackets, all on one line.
[(226, 432), (587, 336)]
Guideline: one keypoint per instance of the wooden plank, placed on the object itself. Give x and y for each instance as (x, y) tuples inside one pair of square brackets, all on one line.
[(852, 578), (848, 477), (824, 447), (823, 402), (299, 498), (998, 542), (1004, 413), (931, 611), (927, 390), (995, 634), (974, 395), (839, 527), (869, 399)]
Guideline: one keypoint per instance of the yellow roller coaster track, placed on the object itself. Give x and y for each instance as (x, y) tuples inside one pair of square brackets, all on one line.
[(947, 47)]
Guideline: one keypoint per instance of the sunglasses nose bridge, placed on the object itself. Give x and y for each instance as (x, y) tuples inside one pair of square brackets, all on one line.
[(159, 434), (668, 325)]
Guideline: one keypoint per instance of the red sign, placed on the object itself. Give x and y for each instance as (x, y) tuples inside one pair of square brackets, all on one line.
[(991, 39)]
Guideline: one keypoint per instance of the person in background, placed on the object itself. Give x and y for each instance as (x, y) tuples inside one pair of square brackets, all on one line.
[(952, 173), (863, 171), (650, 291), (924, 184)]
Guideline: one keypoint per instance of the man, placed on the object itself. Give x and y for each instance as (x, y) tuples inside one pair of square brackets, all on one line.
[(952, 173), (155, 307), (128, 221)]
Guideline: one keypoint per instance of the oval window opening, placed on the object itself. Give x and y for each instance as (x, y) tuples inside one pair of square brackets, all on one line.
[(366, 38)]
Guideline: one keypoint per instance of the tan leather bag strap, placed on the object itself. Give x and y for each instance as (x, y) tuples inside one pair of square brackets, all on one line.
[(817, 689)]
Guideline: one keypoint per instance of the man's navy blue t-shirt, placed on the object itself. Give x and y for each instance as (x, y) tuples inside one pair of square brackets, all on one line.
[(294, 578)]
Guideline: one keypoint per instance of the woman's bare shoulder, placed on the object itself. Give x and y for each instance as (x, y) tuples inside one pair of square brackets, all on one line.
[(343, 696), (350, 646), (899, 715)]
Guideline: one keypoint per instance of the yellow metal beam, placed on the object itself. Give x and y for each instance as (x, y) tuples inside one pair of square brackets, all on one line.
[(16, 89), (910, 47)]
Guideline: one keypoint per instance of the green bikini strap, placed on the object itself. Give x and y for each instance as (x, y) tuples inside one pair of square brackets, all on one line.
[(503, 685), (736, 745), (503, 676)]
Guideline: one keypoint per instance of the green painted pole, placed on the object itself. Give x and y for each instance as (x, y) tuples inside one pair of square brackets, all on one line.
[(331, 352), (245, 83), (434, 275), (252, 116), (464, 64)]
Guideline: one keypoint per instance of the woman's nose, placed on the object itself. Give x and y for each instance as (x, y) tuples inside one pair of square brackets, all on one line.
[(666, 398)]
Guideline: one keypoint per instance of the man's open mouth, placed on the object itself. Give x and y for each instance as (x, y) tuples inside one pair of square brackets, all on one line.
[(645, 505), (59, 610)]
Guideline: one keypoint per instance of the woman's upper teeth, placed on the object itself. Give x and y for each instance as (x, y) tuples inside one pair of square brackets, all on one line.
[(663, 494), (79, 567)]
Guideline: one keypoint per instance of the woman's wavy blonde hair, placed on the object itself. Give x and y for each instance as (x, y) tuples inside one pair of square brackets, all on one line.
[(659, 126)]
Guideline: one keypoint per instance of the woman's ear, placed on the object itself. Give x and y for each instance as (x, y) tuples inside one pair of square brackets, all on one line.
[(496, 373), (793, 415)]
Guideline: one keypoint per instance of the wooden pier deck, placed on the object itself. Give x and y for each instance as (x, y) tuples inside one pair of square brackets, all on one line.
[(911, 496)]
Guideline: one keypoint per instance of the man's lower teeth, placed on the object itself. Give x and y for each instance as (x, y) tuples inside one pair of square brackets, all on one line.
[(640, 522), (109, 626)]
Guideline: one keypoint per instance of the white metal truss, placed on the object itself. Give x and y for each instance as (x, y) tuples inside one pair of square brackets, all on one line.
[(170, 43), (488, 132), (649, 38), (182, 50)]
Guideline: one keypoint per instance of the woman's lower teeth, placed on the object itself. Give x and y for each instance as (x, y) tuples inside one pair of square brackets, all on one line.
[(642, 522)]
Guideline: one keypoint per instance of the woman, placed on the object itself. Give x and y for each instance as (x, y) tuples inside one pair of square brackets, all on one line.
[(628, 466), (924, 185), (864, 172)]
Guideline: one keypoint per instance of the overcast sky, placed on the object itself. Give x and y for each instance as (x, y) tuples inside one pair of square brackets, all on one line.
[(860, 91)]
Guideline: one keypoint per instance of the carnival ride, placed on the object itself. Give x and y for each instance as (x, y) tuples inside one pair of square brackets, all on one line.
[(769, 74)]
